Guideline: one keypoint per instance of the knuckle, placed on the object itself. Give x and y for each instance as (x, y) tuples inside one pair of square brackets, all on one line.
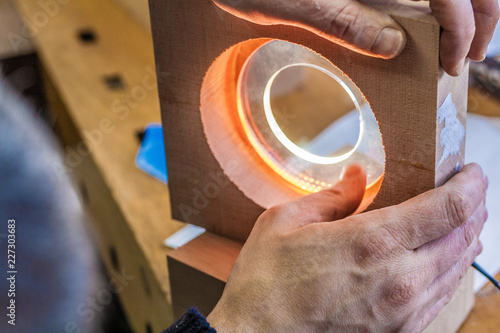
[(303, 211), (350, 25), (487, 14), (403, 291), (457, 208), (273, 212), (468, 235), (271, 216)]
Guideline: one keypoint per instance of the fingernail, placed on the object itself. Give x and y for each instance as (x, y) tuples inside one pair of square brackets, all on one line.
[(389, 43), (349, 171), (486, 182), (459, 68), (483, 54)]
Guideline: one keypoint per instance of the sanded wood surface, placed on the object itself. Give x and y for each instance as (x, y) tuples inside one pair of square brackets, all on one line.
[(404, 93), (102, 93)]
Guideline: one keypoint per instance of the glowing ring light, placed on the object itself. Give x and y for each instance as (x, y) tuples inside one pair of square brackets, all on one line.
[(281, 136), (303, 169)]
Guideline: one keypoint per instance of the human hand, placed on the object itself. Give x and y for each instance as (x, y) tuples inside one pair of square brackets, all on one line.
[(387, 270), (467, 25)]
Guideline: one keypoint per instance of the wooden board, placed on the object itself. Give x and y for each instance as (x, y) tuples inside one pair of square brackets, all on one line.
[(404, 93), (96, 91), (198, 276)]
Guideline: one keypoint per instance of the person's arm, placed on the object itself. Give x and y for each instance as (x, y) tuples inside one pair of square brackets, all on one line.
[(467, 26), (308, 266)]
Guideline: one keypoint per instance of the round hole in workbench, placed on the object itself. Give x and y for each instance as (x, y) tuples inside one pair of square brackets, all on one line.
[(114, 82), (87, 36), (283, 121), (148, 328)]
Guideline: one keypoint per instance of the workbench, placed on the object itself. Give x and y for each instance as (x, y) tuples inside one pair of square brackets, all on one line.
[(99, 70)]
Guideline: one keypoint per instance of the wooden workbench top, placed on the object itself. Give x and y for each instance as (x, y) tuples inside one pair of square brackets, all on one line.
[(100, 62), (106, 86)]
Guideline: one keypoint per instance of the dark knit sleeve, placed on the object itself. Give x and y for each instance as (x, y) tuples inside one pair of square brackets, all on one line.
[(191, 322)]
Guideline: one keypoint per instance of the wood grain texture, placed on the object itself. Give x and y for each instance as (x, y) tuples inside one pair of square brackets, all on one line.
[(130, 209), (405, 94)]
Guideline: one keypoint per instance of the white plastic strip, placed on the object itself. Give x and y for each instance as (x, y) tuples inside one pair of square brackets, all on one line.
[(183, 236)]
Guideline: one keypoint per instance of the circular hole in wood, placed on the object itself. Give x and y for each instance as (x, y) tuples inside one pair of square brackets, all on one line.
[(87, 36), (148, 328), (283, 121), (114, 82)]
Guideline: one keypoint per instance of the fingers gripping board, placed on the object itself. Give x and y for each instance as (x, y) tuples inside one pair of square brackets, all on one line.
[(216, 178)]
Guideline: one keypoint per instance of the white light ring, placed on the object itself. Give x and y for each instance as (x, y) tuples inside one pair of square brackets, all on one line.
[(286, 142)]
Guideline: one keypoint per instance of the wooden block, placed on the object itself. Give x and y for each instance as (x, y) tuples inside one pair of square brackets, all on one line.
[(216, 178), (200, 270), (214, 191)]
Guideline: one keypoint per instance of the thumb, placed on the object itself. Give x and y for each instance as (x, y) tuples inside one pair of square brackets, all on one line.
[(349, 23), (337, 202)]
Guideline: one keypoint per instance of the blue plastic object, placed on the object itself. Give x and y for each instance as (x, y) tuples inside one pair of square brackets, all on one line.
[(151, 155)]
